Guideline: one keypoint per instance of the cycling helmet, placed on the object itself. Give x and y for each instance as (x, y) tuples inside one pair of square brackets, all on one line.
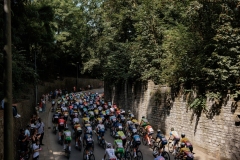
[(182, 135), (117, 136), (134, 130), (155, 154), (109, 145), (172, 129), (129, 111), (158, 131), (143, 116), (182, 145)]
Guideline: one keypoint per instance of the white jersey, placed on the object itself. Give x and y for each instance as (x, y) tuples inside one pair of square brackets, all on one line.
[(67, 133), (75, 120), (101, 127), (129, 123), (64, 109), (110, 153)]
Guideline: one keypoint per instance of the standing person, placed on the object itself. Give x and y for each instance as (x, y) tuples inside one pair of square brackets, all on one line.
[(40, 129), (43, 104), (36, 148)]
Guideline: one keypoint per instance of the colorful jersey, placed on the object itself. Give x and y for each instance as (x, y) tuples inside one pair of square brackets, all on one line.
[(159, 158), (136, 138), (149, 129), (61, 121), (118, 143), (85, 119), (135, 121), (144, 122), (67, 134), (77, 126), (174, 134), (184, 140), (121, 134), (111, 153), (186, 152)]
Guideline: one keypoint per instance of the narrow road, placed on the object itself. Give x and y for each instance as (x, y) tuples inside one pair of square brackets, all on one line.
[(59, 154)]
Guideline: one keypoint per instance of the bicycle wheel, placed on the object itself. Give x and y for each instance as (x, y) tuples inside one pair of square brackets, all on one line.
[(156, 148), (166, 155), (127, 155), (91, 157), (139, 155), (84, 154), (152, 142), (79, 145), (170, 146)]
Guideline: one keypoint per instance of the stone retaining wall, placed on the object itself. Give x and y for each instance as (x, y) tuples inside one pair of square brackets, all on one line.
[(218, 135)]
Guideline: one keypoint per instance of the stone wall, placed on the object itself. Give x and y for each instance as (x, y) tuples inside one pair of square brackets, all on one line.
[(218, 135)]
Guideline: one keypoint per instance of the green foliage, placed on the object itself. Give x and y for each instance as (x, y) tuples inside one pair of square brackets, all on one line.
[(212, 95), (198, 104), (170, 42)]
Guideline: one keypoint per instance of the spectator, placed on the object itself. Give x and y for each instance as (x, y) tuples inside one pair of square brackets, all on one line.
[(40, 129), (14, 109), (43, 104), (35, 136), (27, 131), (36, 148), (23, 140)]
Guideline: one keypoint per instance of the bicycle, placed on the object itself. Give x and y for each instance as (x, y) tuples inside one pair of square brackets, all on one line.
[(88, 155), (79, 142), (139, 155), (125, 156), (67, 152), (145, 141), (165, 154), (171, 146)]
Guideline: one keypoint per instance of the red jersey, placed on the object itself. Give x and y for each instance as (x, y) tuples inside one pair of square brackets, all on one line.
[(61, 121)]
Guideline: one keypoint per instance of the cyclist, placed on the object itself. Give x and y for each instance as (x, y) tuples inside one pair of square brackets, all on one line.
[(136, 141), (75, 119), (53, 104), (88, 128), (118, 145), (186, 141), (85, 118), (144, 122), (176, 139), (60, 126), (110, 153), (122, 136), (157, 156), (161, 138), (88, 140), (55, 118), (185, 153), (149, 132), (78, 132), (67, 138), (100, 129)]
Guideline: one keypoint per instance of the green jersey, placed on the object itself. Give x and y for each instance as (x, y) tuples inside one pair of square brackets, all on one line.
[(68, 136)]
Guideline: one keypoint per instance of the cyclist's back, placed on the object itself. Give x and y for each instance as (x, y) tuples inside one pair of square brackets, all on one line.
[(159, 158), (110, 152)]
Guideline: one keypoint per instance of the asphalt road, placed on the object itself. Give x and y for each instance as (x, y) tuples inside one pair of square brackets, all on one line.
[(59, 154)]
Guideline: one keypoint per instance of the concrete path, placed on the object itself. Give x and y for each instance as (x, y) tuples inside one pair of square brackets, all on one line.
[(52, 150)]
